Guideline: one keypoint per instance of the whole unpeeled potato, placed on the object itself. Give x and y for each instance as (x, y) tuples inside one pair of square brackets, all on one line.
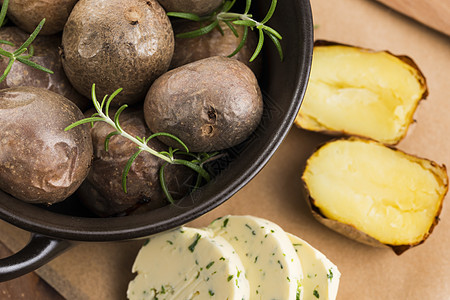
[(39, 161), (210, 104), (116, 44)]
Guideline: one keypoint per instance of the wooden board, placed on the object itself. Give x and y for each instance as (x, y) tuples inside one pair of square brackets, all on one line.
[(433, 13)]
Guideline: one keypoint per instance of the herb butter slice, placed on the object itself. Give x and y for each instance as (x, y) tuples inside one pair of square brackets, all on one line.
[(321, 276), (272, 266), (188, 263)]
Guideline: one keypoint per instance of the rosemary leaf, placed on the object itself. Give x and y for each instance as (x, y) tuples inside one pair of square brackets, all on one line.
[(162, 180), (117, 115), (198, 32), (7, 69), (272, 31), (3, 11), (247, 6), (269, 14), (108, 138), (259, 46), (83, 121), (33, 64), (232, 28), (127, 169), (187, 16), (6, 43), (277, 44), (31, 37), (248, 23), (241, 44)]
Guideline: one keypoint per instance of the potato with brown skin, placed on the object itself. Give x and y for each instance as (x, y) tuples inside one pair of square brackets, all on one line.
[(375, 194), (198, 7), (102, 191), (214, 43), (39, 161), (211, 104), (27, 14), (46, 54), (116, 44)]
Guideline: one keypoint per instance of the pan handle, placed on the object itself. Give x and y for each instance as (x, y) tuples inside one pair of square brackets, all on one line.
[(40, 250)]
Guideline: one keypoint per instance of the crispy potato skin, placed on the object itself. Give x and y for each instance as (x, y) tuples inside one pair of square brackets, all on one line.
[(123, 44), (27, 14), (39, 161), (102, 191), (214, 43), (46, 54), (198, 7), (355, 234), (211, 104)]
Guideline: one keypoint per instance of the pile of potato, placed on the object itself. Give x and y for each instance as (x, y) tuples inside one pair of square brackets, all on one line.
[(211, 102)]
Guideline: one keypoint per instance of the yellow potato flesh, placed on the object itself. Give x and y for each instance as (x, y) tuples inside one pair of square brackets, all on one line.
[(387, 194), (370, 94)]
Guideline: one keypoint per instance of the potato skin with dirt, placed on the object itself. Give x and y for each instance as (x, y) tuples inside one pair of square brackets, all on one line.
[(46, 54), (39, 161), (214, 43), (122, 44), (198, 7), (27, 14), (211, 104), (102, 191)]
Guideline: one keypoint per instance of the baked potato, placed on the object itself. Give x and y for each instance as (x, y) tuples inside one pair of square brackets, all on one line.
[(210, 104), (361, 92), (375, 194), (116, 44), (39, 161)]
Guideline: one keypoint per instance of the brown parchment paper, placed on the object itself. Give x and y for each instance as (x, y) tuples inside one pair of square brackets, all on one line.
[(102, 270)]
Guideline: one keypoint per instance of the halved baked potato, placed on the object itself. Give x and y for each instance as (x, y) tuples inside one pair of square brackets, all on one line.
[(375, 194), (361, 92)]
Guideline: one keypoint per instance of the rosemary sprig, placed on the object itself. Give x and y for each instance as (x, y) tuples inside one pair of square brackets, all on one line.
[(231, 19), (172, 156), (19, 53)]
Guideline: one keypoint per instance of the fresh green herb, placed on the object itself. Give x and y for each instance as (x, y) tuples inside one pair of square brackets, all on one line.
[(330, 274), (281, 265), (230, 277), (298, 294), (209, 265), (231, 19), (192, 246), (211, 293), (316, 294), (249, 227), (225, 222), (24, 52), (196, 163)]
